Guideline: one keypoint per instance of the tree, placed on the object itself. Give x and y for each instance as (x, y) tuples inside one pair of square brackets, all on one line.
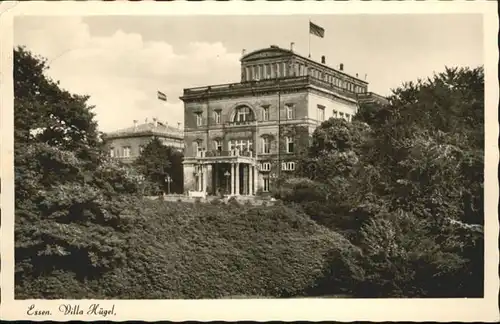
[(417, 172), (72, 202), (157, 161)]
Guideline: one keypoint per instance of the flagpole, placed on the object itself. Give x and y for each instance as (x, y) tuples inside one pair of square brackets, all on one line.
[(309, 38)]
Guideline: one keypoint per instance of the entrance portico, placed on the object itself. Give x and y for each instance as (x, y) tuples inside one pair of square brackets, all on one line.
[(229, 173)]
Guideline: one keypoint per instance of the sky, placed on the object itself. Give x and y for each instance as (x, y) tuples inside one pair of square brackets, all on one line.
[(122, 61)]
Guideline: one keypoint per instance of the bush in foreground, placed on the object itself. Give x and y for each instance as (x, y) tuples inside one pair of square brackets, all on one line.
[(182, 250)]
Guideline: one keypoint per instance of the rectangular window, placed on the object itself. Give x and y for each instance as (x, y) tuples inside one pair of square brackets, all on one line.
[(335, 114), (241, 145), (321, 113), (289, 112), (126, 151), (266, 185), (266, 145), (266, 166), (341, 114), (217, 117), (265, 113), (195, 147), (199, 119), (289, 144), (288, 166)]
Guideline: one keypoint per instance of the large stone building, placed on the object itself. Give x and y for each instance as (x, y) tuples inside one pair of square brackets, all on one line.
[(126, 144), (240, 136)]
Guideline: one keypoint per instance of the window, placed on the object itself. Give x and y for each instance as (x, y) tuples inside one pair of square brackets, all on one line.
[(266, 145), (217, 116), (266, 166), (241, 145), (218, 145), (341, 114), (289, 112), (199, 119), (265, 113), (126, 151), (288, 166), (198, 147), (335, 114), (348, 117), (266, 185), (243, 114), (112, 152), (289, 144), (321, 113)]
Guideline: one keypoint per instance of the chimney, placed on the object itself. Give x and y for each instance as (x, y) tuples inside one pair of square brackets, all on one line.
[(341, 66), (243, 51), (356, 75), (135, 125), (291, 46), (178, 125), (323, 60), (155, 122)]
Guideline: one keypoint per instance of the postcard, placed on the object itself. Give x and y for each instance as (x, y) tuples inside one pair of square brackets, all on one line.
[(320, 161)]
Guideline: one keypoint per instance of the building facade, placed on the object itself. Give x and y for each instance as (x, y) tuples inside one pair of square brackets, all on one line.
[(127, 144), (240, 136)]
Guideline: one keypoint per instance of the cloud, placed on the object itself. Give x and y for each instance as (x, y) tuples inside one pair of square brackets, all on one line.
[(122, 72)]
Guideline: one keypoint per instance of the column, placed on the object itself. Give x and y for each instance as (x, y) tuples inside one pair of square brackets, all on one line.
[(232, 179), (216, 180), (205, 178), (255, 179), (237, 185), (250, 175), (199, 177), (245, 180)]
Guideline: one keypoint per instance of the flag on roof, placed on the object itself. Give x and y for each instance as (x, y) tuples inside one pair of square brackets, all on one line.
[(162, 96), (316, 30)]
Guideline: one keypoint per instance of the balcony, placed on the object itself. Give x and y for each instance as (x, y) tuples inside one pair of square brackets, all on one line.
[(240, 123), (216, 156)]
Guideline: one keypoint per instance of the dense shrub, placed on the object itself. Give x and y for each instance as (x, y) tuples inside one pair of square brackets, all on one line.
[(184, 250)]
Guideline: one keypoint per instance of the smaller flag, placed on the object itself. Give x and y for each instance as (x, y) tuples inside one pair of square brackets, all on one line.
[(162, 96), (316, 30)]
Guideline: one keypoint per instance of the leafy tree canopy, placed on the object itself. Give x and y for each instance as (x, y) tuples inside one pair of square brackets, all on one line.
[(70, 197), (158, 161)]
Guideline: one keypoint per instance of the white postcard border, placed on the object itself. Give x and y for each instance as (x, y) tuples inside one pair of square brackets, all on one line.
[(484, 309)]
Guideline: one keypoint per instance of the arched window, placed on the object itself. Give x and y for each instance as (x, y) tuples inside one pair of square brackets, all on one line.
[(218, 145), (243, 114)]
